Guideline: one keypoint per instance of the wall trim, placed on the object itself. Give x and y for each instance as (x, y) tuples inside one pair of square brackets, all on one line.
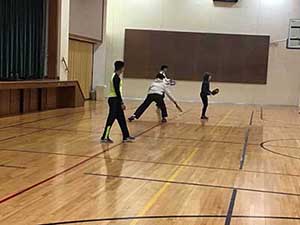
[(84, 39)]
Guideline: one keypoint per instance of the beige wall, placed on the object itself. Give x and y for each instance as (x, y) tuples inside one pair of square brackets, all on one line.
[(86, 18), (100, 56), (248, 16), (63, 40)]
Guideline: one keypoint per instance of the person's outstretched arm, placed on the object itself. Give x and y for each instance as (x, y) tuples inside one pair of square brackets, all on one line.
[(169, 94)]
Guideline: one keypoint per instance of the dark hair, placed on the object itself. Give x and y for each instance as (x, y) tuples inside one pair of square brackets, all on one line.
[(119, 65), (164, 67), (160, 76), (206, 76)]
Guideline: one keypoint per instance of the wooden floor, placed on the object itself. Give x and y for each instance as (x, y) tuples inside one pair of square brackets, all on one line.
[(242, 167)]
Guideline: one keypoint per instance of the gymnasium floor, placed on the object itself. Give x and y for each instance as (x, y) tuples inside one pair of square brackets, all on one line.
[(241, 167)]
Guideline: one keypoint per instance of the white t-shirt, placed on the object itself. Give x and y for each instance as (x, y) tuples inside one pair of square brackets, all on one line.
[(160, 87)]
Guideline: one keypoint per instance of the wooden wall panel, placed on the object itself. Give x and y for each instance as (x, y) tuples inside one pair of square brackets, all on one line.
[(14, 106), (51, 98), (65, 97), (26, 100), (81, 64), (230, 57), (34, 100), (32, 96), (4, 97)]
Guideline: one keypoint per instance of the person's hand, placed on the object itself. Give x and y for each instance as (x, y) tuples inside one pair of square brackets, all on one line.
[(123, 106)]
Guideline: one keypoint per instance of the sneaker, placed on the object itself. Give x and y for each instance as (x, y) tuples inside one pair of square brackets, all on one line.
[(106, 141), (129, 139), (204, 118), (164, 120), (132, 118)]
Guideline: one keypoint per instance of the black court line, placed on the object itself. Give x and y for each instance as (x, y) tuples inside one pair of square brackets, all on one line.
[(152, 162), (242, 162), (137, 218), (11, 196), (57, 128), (231, 207), (278, 121), (195, 184), (243, 156), (285, 124), (203, 167), (266, 217), (145, 136), (251, 118), (284, 146), (171, 217), (195, 140), (277, 153), (282, 127), (13, 167)]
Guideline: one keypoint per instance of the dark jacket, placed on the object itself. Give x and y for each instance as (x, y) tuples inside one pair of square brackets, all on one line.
[(205, 89), (117, 87)]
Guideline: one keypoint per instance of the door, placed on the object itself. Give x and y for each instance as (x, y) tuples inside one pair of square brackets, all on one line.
[(81, 64)]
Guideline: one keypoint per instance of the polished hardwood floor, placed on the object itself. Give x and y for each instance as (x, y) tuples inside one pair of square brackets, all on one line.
[(241, 167)]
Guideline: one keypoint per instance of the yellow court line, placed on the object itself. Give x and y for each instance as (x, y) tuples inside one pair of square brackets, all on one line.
[(176, 172)]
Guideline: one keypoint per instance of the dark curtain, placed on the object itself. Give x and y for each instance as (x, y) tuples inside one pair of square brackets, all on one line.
[(22, 39)]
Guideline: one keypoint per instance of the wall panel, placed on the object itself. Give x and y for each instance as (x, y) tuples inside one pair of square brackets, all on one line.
[(230, 57)]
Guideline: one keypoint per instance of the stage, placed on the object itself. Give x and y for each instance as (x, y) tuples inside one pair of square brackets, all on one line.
[(18, 97)]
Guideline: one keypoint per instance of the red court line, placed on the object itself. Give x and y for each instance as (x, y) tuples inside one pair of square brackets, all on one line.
[(34, 121), (67, 130), (45, 153), (12, 167), (11, 196), (22, 135), (38, 129)]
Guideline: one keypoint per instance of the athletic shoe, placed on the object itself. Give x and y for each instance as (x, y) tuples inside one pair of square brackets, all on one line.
[(132, 118), (106, 141), (204, 118), (129, 139), (164, 120)]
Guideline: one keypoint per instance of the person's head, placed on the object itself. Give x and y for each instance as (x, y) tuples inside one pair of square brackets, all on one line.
[(160, 76), (119, 67), (206, 76), (164, 68)]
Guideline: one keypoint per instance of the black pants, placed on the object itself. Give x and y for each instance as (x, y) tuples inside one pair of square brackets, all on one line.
[(205, 103), (158, 99), (115, 112), (163, 98)]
